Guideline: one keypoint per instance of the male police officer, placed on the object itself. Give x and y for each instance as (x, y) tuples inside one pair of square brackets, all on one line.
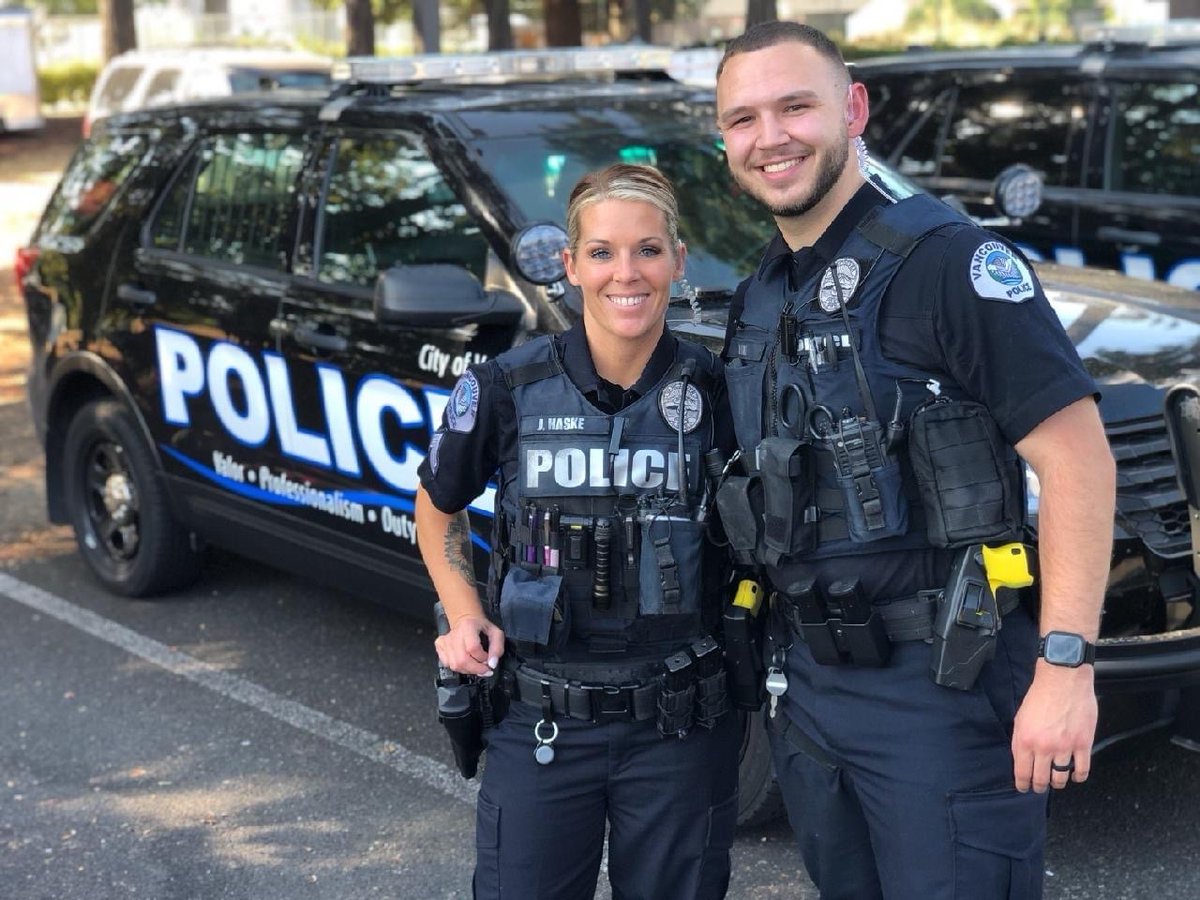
[(883, 363)]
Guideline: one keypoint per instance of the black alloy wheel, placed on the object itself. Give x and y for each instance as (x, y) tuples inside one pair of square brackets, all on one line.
[(119, 508)]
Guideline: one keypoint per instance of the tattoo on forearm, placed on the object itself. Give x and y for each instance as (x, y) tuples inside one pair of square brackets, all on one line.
[(458, 547)]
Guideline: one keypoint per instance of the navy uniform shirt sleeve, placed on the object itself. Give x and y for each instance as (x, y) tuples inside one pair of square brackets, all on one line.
[(1013, 357), (464, 453)]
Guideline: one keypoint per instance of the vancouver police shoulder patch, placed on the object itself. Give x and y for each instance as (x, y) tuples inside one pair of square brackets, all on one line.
[(997, 273), (691, 408), (464, 404)]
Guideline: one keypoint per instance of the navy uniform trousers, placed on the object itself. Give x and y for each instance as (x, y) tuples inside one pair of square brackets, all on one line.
[(902, 789), (670, 804)]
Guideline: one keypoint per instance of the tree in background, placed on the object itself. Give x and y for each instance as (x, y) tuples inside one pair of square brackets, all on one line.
[(564, 25), (943, 19), (360, 28), (759, 11), (120, 34), (500, 36), (427, 25)]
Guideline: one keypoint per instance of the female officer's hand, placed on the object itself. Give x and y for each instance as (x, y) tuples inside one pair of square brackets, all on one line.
[(473, 646)]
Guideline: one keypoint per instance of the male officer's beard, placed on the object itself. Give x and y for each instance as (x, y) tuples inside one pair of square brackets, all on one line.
[(829, 170)]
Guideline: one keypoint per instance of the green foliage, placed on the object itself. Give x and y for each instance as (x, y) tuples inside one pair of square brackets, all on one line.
[(936, 12), (69, 82), (66, 7)]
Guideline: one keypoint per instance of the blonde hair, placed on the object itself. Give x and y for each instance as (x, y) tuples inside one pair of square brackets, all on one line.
[(622, 181)]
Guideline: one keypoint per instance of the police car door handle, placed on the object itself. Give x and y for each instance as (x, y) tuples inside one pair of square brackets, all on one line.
[(1126, 236), (312, 336), (137, 296)]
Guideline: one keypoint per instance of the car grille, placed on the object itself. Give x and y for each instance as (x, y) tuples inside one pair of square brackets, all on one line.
[(1150, 505)]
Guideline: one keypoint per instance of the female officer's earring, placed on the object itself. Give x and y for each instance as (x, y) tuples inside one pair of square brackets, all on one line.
[(864, 156), (688, 293)]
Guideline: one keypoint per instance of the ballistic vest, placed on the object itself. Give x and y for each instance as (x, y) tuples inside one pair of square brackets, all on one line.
[(598, 525), (789, 356)]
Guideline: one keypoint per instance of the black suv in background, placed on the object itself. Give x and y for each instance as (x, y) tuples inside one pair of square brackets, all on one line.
[(1113, 127), (247, 316)]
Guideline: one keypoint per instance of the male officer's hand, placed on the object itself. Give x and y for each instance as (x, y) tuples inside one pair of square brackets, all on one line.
[(1055, 725), (473, 646)]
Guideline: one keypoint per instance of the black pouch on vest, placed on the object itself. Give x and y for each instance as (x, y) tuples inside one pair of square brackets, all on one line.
[(669, 571), (788, 477), (966, 483), (740, 505), (533, 611), (875, 504)]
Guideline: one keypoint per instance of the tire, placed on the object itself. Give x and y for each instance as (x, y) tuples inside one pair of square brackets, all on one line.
[(118, 505), (759, 799)]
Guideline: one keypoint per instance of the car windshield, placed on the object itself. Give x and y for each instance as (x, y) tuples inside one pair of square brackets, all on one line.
[(724, 229)]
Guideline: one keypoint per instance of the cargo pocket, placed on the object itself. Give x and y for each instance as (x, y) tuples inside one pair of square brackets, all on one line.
[(714, 868), (533, 612), (999, 839), (669, 565), (744, 385), (487, 849), (891, 513)]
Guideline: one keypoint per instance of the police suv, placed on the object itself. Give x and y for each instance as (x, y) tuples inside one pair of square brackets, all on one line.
[(1111, 125), (248, 314)]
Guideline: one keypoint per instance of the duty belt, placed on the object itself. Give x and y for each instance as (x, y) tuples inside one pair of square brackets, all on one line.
[(631, 702), (906, 619)]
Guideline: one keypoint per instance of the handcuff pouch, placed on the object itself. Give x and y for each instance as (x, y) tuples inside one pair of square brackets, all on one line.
[(788, 477), (534, 612)]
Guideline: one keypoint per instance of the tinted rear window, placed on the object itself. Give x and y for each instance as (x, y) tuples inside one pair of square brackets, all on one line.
[(116, 88), (244, 80), (92, 180)]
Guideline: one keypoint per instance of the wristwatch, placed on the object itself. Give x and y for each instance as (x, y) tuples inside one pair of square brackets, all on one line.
[(1065, 648)]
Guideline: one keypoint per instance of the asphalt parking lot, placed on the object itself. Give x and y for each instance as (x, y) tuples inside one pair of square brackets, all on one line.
[(258, 737)]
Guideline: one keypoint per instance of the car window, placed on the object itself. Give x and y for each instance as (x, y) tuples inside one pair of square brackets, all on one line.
[(161, 88), (116, 88), (724, 229), (243, 80), (995, 125), (388, 204), (234, 200), (91, 181), (1156, 143)]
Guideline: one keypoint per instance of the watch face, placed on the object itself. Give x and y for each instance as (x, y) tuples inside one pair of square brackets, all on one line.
[(1064, 649)]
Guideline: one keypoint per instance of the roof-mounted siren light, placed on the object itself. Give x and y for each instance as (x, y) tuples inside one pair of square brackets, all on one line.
[(502, 64), (1152, 34)]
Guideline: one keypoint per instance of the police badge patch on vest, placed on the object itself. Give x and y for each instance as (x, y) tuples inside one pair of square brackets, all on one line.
[(999, 274), (464, 404), (848, 273), (692, 406)]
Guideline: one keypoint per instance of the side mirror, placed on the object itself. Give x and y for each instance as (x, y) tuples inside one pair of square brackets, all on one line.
[(440, 296), (1017, 191), (536, 252)]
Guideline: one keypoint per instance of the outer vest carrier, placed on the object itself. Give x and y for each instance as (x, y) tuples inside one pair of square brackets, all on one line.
[(597, 544), (791, 370)]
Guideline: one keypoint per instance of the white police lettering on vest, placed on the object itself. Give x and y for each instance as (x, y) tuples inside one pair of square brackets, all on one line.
[(570, 468)]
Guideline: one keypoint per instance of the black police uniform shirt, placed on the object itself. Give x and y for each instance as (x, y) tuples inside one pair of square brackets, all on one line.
[(462, 462), (1014, 358)]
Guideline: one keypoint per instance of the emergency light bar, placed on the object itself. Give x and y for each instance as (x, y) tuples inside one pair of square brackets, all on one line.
[(1158, 34), (502, 64)]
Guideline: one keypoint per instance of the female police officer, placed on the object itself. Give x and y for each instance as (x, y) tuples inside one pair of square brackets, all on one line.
[(595, 621)]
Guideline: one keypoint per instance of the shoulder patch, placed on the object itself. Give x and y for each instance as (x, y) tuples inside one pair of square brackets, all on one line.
[(464, 404), (997, 273), (435, 446)]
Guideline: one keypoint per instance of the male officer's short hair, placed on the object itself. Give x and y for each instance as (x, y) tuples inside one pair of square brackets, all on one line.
[(768, 34)]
